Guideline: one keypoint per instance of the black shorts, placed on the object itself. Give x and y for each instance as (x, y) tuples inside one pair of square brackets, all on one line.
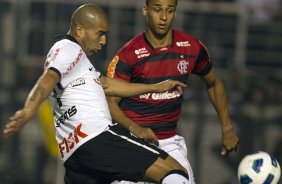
[(113, 155)]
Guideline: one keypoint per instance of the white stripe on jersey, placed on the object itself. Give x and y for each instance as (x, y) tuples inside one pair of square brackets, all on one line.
[(134, 142)]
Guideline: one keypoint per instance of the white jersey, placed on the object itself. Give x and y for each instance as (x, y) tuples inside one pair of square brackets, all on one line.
[(80, 108)]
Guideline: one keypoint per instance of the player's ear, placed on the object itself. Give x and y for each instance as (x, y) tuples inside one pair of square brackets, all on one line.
[(79, 31), (144, 10)]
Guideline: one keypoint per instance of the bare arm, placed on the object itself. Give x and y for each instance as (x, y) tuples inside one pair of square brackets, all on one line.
[(39, 92), (218, 97), (120, 88), (117, 87), (120, 118)]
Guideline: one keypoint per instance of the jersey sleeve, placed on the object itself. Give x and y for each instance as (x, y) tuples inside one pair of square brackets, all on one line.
[(63, 59), (119, 67), (203, 64)]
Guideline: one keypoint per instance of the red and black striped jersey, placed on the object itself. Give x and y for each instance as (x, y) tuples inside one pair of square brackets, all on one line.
[(139, 62)]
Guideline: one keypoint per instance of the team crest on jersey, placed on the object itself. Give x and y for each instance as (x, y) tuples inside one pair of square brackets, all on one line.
[(183, 66)]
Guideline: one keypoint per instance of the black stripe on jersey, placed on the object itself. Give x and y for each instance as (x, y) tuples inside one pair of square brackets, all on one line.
[(182, 78), (202, 55), (161, 127), (200, 59), (163, 56), (55, 70), (142, 107), (123, 68), (206, 70), (59, 85)]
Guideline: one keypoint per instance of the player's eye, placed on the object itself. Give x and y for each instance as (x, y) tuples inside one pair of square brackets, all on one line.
[(171, 10), (102, 33), (157, 10)]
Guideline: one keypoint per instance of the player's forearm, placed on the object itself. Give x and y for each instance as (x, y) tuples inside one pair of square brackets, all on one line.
[(40, 91), (219, 99), (120, 88), (118, 115)]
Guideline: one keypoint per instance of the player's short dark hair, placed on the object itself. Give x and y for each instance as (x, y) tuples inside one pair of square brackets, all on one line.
[(148, 1)]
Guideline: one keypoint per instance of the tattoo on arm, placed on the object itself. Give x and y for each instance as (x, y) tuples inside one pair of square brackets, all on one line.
[(38, 93)]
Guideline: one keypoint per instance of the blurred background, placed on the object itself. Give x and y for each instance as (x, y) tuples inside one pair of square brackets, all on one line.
[(244, 38)]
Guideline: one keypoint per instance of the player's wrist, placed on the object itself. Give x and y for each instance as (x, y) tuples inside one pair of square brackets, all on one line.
[(227, 129)]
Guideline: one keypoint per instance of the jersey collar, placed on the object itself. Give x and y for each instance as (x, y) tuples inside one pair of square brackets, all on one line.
[(157, 49), (65, 36)]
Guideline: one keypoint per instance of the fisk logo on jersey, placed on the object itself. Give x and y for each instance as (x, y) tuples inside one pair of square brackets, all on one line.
[(77, 82), (142, 53), (183, 44), (161, 96), (68, 143)]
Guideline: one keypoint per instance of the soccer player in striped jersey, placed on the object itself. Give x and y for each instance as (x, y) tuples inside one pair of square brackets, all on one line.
[(163, 52)]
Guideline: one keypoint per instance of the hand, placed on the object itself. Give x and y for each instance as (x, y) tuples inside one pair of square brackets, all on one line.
[(230, 141), (16, 122), (145, 133), (170, 84)]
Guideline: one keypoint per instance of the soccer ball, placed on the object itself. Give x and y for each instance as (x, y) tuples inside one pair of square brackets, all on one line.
[(259, 168)]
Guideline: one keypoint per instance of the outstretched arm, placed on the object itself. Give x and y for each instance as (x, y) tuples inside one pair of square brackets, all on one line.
[(218, 97), (116, 88), (120, 88), (39, 92)]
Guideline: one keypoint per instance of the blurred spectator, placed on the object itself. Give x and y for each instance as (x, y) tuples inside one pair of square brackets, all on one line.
[(260, 11)]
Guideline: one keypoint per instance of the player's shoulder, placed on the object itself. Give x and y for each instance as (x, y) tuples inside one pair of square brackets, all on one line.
[(182, 36), (133, 50), (67, 45), (134, 43), (65, 49), (183, 39)]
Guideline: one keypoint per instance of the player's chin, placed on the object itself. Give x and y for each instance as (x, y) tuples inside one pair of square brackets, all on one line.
[(162, 32), (92, 52), (96, 50)]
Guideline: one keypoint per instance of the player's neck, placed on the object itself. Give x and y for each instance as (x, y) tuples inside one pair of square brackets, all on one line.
[(158, 41)]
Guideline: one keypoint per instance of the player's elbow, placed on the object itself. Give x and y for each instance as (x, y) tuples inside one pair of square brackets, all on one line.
[(108, 91)]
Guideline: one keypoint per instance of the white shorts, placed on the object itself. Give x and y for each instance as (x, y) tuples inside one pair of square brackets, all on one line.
[(176, 148)]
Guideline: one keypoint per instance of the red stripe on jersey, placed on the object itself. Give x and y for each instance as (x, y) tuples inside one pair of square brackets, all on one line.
[(139, 62)]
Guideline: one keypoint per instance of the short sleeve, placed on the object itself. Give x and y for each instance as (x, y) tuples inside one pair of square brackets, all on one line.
[(63, 58), (203, 64)]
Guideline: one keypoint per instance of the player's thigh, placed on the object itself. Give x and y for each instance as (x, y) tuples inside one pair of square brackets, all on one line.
[(161, 167), (182, 159), (176, 148)]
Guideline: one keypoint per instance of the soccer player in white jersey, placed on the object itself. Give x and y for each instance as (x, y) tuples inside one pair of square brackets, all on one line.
[(94, 150)]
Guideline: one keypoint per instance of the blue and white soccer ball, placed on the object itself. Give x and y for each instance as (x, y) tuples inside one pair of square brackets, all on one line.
[(259, 168)]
